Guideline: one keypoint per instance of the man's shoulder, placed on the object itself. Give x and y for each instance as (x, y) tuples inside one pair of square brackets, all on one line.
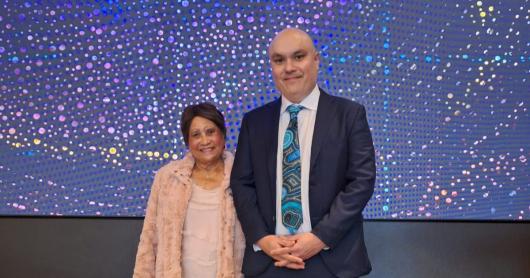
[(341, 102), (263, 111)]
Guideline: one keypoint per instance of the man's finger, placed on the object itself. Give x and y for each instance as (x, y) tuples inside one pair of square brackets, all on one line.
[(290, 258), (281, 263), (291, 265), (281, 251), (286, 242), (295, 266), (287, 257)]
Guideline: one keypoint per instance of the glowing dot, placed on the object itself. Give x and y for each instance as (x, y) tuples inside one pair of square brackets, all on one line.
[(112, 150), (479, 3), (482, 14), (149, 153), (36, 141), (490, 8)]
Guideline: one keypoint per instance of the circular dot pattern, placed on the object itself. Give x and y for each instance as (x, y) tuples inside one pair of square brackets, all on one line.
[(92, 93)]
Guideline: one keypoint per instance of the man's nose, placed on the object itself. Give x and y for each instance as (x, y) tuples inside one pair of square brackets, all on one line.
[(289, 66)]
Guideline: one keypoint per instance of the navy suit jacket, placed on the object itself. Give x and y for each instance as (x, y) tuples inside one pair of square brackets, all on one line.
[(341, 181)]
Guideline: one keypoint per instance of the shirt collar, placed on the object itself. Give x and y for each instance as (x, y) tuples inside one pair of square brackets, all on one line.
[(309, 102)]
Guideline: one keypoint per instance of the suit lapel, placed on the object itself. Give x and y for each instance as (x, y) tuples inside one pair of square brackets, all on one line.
[(272, 146), (325, 115)]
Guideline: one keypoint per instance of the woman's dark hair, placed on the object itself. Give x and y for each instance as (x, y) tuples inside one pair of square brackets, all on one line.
[(205, 110)]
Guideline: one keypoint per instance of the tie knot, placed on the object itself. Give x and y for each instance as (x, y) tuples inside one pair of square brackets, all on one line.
[(293, 110)]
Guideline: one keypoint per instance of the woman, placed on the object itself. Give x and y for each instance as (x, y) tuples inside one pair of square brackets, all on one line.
[(190, 227)]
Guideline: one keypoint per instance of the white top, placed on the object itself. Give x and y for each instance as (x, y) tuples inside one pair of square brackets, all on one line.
[(200, 233), (306, 127)]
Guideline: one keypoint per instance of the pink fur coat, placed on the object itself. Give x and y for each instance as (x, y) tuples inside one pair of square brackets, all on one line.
[(160, 249)]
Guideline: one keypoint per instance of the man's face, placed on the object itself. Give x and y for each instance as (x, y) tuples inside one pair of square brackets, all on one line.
[(294, 63)]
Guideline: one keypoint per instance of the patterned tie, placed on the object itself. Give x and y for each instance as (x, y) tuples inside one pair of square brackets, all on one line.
[(291, 189)]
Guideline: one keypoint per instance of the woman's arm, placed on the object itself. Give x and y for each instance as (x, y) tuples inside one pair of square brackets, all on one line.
[(146, 254)]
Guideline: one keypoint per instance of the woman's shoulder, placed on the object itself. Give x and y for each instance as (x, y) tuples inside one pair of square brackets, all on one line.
[(182, 166)]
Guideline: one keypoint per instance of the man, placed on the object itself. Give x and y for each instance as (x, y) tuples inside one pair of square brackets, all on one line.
[(303, 172)]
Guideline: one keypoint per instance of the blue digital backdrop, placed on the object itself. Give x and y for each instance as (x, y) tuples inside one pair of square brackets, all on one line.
[(91, 94)]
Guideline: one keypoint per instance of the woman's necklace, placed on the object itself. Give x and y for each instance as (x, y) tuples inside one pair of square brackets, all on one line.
[(209, 172), (207, 177)]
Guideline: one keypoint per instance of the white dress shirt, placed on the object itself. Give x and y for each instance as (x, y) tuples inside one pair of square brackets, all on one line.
[(306, 126)]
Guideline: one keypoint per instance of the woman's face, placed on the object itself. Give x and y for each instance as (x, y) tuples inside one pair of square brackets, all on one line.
[(206, 141)]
